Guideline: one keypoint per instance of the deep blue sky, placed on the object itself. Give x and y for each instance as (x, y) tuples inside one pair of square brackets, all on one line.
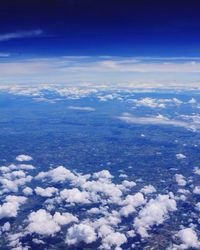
[(102, 27)]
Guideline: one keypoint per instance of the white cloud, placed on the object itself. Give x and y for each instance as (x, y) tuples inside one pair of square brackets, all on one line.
[(180, 156), (154, 213), (42, 222), (149, 102), (11, 206), (130, 203), (154, 120), (196, 170), (81, 108), (6, 227), (64, 218), (196, 190), (189, 239), (114, 239), (46, 192), (80, 233), (103, 174), (75, 196), (180, 179), (27, 191), (148, 189), (24, 158), (59, 174)]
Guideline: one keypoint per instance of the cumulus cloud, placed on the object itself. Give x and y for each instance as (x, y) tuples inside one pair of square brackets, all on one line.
[(27, 191), (189, 239), (24, 158), (80, 233), (75, 196), (130, 203), (154, 213), (114, 239), (11, 206), (180, 156), (196, 190), (180, 179), (45, 192), (148, 189), (149, 102), (59, 174), (43, 223)]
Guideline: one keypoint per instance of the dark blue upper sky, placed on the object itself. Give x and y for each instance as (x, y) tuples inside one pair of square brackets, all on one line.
[(100, 27)]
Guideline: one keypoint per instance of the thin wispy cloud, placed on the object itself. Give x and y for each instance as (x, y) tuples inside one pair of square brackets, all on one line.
[(103, 69), (3, 54), (20, 34)]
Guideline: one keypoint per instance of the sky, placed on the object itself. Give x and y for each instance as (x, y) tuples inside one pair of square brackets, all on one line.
[(99, 40)]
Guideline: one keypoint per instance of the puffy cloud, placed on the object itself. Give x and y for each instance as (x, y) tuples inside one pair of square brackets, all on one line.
[(154, 213), (114, 239), (189, 239), (149, 102), (75, 196), (59, 174), (42, 222), (6, 227), (180, 179), (130, 203), (104, 174), (180, 156), (13, 180), (27, 191), (192, 101), (11, 206), (24, 158), (64, 218), (196, 190), (128, 184), (196, 170), (80, 233), (46, 192), (148, 189)]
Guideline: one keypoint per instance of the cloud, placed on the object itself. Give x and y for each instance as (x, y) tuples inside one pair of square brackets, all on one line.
[(114, 239), (11, 206), (24, 158), (180, 156), (27, 191), (149, 189), (46, 192), (130, 203), (189, 239), (20, 34), (81, 108), (80, 233), (155, 120), (137, 73), (154, 213), (180, 179), (75, 196), (42, 222)]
